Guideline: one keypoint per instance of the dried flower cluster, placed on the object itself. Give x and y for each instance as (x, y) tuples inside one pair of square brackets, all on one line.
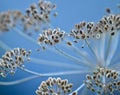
[(41, 11), (55, 86), (51, 37), (103, 81), (9, 19), (36, 16), (13, 59), (84, 30)]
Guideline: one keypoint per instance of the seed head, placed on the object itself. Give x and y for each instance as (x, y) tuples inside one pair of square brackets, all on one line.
[(103, 80), (54, 86), (13, 59), (51, 37)]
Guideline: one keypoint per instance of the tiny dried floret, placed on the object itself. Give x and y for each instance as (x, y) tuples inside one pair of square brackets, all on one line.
[(82, 30), (38, 14), (51, 37), (103, 81), (109, 24), (55, 86), (13, 59), (88, 31), (9, 20), (36, 17), (40, 11)]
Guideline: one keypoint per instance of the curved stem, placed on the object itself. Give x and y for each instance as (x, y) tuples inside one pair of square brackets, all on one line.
[(4, 46), (114, 46), (19, 81), (53, 63), (83, 54), (72, 57), (79, 88), (54, 74), (108, 47), (92, 50), (102, 47), (39, 61), (24, 35)]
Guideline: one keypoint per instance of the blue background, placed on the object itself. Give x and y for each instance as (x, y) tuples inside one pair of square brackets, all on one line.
[(70, 12)]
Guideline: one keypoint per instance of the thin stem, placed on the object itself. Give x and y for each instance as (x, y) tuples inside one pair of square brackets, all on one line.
[(53, 63), (114, 46), (54, 74), (79, 88), (83, 54), (92, 50), (102, 47), (24, 35), (4, 46), (19, 81), (71, 57), (108, 47), (39, 61)]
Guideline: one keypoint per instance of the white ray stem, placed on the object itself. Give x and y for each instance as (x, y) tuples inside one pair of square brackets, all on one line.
[(18, 81), (108, 47), (24, 35), (54, 74), (81, 53), (92, 50), (53, 63), (79, 88), (4, 46), (114, 43), (102, 48), (76, 60), (39, 61)]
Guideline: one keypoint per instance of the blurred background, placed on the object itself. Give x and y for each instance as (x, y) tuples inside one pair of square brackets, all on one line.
[(70, 12)]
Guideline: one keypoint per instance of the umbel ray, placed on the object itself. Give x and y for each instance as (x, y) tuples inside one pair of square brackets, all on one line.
[(98, 63)]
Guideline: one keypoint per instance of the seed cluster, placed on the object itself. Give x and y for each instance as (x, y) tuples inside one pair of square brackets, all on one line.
[(55, 86), (103, 81), (41, 11), (9, 19), (51, 37), (36, 16), (13, 59), (84, 30)]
